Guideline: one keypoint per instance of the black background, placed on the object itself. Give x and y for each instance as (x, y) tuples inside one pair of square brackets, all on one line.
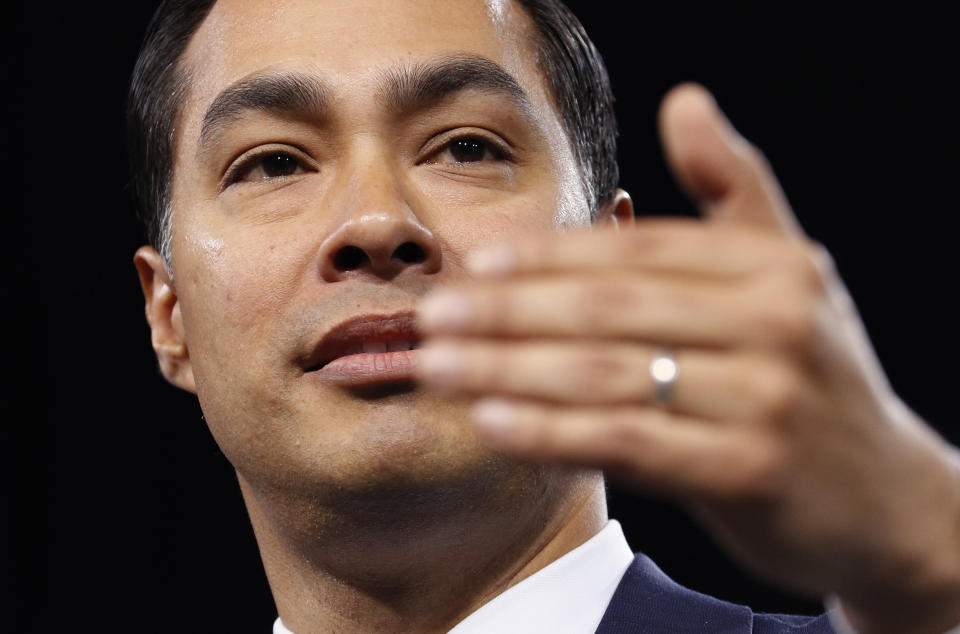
[(125, 514)]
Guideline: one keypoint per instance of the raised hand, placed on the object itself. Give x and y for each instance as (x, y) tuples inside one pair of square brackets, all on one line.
[(780, 432)]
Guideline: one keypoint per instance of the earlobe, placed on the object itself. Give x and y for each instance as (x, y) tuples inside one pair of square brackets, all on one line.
[(617, 212), (162, 308)]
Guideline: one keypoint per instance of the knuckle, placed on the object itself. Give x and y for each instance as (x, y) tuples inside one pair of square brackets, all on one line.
[(624, 430), (597, 374), (788, 322), (633, 242), (796, 266), (755, 156), (626, 436), (809, 260), (775, 391), (799, 265), (597, 303), (821, 259), (805, 271)]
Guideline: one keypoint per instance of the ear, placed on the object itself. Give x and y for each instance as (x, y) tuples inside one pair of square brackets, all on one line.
[(618, 211), (163, 315)]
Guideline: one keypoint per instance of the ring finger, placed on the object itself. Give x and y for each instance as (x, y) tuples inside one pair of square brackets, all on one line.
[(709, 384)]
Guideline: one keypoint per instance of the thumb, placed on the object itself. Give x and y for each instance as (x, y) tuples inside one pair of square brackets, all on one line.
[(727, 177)]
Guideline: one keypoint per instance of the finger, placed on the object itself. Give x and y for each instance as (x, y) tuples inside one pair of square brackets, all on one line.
[(638, 308), (673, 454), (682, 246), (725, 174), (709, 385)]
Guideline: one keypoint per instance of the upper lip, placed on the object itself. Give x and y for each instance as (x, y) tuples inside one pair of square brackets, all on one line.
[(362, 328)]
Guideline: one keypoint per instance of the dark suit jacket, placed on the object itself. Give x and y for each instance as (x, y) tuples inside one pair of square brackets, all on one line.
[(647, 601)]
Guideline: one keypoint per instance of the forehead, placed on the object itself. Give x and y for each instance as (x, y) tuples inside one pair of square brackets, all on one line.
[(352, 42)]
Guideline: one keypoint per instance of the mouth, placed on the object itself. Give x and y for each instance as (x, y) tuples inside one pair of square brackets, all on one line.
[(366, 350)]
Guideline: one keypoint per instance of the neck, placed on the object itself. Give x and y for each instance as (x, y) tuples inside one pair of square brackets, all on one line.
[(416, 563)]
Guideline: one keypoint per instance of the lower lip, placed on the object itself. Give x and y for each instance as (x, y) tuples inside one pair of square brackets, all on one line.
[(369, 368)]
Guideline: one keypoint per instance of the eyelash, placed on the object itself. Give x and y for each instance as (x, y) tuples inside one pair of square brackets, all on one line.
[(235, 173), (498, 149), (245, 164)]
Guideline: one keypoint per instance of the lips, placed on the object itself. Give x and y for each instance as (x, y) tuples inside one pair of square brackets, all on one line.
[(367, 350)]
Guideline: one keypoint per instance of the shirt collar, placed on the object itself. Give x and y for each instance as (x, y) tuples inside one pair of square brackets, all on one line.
[(568, 596)]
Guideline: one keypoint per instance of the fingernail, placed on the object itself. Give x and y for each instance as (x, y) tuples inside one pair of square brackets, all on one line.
[(440, 363), (494, 416), (493, 261), (445, 312)]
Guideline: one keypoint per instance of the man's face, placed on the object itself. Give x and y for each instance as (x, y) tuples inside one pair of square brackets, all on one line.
[(337, 160)]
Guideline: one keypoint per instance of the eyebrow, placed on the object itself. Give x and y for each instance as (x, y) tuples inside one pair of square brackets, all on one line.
[(423, 85), (402, 90), (275, 93)]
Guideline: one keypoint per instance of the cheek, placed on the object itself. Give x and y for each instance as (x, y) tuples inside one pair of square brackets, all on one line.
[(471, 228), (467, 218), (231, 297)]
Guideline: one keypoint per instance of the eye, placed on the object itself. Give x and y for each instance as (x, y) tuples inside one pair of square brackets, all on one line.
[(264, 166), (279, 164), (470, 149)]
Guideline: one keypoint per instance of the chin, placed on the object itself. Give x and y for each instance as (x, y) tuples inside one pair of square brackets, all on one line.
[(383, 444)]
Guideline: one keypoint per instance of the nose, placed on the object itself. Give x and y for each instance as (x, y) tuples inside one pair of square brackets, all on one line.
[(380, 236), (379, 245)]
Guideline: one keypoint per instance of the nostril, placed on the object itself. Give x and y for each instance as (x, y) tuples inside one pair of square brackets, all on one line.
[(349, 258), (410, 253)]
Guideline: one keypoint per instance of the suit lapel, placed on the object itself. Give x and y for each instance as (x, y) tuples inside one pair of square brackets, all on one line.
[(648, 601)]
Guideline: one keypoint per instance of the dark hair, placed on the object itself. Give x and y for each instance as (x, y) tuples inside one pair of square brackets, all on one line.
[(157, 90), (569, 60), (584, 99)]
